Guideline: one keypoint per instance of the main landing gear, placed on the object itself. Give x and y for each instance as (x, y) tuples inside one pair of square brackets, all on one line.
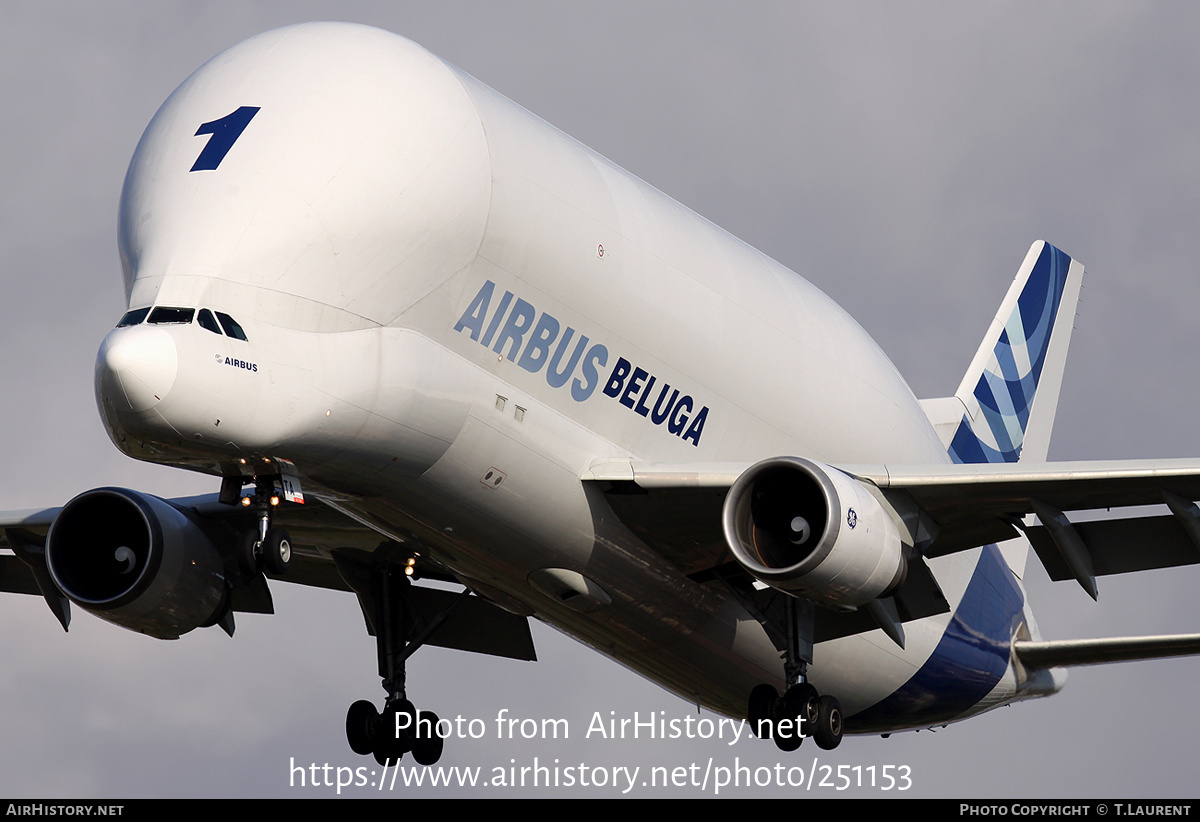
[(801, 711), (399, 728), (382, 589)]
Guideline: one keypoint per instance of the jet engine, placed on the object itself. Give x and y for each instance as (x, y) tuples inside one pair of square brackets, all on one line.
[(814, 532), (136, 561)]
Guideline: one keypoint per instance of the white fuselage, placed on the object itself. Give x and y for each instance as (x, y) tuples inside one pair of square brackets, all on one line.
[(453, 311)]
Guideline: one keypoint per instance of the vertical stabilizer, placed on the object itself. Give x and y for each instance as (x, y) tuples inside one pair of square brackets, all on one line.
[(1003, 410)]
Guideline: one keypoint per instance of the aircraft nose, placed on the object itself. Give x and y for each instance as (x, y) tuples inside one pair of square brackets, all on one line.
[(136, 367)]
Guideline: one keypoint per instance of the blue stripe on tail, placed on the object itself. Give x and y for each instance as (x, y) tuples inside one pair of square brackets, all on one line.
[(1007, 386)]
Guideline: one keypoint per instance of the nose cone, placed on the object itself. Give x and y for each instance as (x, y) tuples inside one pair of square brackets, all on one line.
[(135, 368)]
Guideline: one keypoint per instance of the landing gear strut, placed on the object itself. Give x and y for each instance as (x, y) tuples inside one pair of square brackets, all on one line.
[(399, 728), (800, 711), (268, 547)]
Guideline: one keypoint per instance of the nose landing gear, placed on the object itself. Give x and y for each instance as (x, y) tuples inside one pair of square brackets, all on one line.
[(268, 547)]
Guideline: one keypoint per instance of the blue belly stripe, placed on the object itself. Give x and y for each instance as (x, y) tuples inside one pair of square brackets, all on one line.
[(968, 662)]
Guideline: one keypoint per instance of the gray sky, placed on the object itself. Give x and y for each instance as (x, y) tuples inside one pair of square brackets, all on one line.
[(901, 156)]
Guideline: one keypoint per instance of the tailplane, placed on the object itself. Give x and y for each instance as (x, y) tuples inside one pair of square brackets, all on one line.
[(1099, 651)]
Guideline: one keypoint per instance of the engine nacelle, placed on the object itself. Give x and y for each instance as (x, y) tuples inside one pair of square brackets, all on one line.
[(813, 532), (136, 561)]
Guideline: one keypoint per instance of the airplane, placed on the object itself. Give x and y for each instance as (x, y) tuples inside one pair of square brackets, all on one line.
[(651, 467)]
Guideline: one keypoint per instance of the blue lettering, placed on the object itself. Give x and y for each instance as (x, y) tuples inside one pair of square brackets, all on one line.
[(679, 417), (532, 340), (635, 382), (495, 323), (659, 415), (472, 318), (596, 358), (556, 378), (617, 378), (514, 330), (534, 356), (697, 426), (642, 408)]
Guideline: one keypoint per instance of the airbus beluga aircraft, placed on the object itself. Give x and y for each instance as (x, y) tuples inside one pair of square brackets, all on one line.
[(418, 333)]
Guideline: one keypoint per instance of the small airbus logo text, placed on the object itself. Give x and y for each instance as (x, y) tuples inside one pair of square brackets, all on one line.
[(247, 366), (518, 331)]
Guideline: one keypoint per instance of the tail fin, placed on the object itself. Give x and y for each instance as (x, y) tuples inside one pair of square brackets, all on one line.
[(1003, 411)]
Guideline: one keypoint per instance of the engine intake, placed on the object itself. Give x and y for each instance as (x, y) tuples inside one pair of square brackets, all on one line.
[(136, 561), (814, 532)]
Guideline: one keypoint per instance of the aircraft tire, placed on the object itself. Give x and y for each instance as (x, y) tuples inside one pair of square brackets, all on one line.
[(427, 749), (359, 719), (277, 551), (389, 746), (385, 758), (247, 557), (801, 701), (789, 742), (829, 723), (764, 702)]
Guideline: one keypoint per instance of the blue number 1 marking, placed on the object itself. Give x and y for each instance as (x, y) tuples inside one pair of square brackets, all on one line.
[(224, 134)]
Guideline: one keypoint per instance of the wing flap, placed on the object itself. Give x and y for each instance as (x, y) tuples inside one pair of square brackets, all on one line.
[(475, 625), (682, 524), (1120, 546), (919, 596), (16, 577)]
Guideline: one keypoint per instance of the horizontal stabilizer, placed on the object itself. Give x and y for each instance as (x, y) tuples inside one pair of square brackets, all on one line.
[(1098, 651)]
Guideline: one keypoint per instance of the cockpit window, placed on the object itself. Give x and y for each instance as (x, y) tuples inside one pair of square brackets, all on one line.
[(231, 327), (206, 321), (171, 316), (166, 315), (134, 317)]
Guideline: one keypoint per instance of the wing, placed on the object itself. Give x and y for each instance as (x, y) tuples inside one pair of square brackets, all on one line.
[(330, 550), (683, 510), (976, 504)]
